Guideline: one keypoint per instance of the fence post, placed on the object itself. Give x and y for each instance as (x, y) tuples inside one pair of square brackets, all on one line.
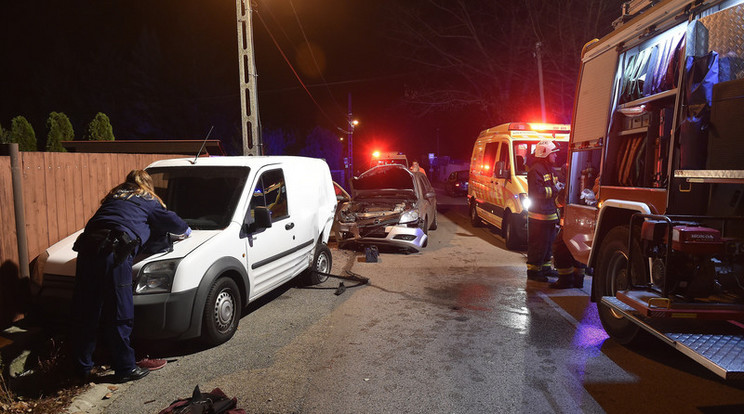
[(20, 215)]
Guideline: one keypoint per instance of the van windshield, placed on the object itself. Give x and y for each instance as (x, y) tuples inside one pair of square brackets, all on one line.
[(205, 197), (524, 150)]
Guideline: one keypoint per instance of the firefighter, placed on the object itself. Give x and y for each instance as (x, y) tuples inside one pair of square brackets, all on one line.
[(129, 216), (570, 272), (542, 218)]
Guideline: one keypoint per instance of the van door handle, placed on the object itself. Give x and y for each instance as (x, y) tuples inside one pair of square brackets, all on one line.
[(289, 226)]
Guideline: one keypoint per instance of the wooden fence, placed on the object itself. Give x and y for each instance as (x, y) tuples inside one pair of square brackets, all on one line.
[(61, 191)]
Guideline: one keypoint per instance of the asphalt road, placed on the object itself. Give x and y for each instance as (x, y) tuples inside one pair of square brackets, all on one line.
[(454, 329)]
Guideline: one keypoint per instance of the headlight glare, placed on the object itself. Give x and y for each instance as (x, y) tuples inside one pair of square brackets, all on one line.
[(526, 203)]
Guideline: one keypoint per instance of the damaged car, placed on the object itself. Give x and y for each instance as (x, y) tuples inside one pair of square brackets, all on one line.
[(390, 206)]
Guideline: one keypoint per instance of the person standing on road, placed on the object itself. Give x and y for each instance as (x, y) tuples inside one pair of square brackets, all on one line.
[(570, 271), (129, 215), (542, 217), (415, 167)]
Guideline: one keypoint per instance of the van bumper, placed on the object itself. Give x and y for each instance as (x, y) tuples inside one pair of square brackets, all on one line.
[(163, 315)]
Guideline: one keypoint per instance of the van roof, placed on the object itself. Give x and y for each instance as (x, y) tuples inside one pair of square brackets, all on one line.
[(517, 128)]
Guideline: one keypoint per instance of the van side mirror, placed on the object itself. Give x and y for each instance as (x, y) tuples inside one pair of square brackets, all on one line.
[(257, 222), (501, 171)]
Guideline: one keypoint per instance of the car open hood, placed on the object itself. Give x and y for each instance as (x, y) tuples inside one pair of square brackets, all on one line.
[(61, 259), (383, 179)]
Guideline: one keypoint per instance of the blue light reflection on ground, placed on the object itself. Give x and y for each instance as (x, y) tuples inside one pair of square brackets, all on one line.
[(589, 332)]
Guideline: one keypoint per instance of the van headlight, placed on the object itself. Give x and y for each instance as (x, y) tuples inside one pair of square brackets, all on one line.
[(525, 201), (156, 277)]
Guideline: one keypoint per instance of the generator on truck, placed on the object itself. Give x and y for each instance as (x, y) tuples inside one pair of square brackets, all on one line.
[(655, 182)]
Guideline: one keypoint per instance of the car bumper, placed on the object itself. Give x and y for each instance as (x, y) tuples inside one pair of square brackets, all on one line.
[(164, 315), (400, 236)]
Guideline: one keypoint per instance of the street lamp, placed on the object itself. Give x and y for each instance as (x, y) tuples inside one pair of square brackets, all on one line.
[(352, 123)]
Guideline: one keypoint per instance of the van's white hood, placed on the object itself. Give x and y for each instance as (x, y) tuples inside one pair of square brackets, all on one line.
[(61, 259)]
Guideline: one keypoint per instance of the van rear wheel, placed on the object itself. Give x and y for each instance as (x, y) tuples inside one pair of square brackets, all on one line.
[(475, 221), (322, 263)]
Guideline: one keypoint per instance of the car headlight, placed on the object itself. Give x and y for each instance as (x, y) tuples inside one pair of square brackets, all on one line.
[(525, 201), (156, 277), (409, 216)]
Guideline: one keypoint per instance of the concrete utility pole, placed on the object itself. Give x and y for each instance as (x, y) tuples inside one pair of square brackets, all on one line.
[(350, 133), (538, 54), (252, 143)]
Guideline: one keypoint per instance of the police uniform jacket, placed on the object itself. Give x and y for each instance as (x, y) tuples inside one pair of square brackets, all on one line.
[(138, 216), (542, 191)]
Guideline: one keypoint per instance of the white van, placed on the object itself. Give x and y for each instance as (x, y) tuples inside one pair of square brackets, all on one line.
[(257, 223), (497, 188)]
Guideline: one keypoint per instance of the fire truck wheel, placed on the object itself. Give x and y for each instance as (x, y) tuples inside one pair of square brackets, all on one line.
[(609, 277), (514, 240), (475, 221)]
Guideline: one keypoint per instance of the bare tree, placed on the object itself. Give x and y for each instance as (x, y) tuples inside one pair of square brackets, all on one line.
[(480, 55)]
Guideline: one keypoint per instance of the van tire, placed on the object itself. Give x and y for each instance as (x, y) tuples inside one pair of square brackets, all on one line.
[(475, 221), (434, 224), (322, 262), (510, 232), (222, 312)]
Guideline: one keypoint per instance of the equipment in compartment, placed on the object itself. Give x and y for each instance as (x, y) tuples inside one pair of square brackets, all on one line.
[(699, 263), (726, 139)]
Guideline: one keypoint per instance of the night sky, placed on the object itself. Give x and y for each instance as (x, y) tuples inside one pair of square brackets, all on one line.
[(168, 69)]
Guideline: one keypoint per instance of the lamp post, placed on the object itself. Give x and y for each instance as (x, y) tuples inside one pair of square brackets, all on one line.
[(351, 123)]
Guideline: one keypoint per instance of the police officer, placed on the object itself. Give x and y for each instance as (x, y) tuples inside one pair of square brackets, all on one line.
[(129, 215), (542, 217)]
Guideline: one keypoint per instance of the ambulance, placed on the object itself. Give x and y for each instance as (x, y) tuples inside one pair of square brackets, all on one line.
[(497, 189)]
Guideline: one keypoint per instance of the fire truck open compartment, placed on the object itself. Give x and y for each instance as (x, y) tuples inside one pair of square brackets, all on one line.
[(655, 191)]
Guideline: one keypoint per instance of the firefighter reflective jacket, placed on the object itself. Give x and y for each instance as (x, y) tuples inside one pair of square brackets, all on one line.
[(542, 190)]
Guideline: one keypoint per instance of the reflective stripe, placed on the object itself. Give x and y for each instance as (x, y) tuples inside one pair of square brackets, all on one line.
[(565, 271), (533, 267), (545, 217), (548, 192)]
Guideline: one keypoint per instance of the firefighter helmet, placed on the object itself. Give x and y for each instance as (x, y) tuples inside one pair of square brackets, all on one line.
[(545, 148)]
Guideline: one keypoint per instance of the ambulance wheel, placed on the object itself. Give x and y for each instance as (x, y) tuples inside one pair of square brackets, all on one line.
[(475, 221), (512, 237), (221, 312), (322, 262), (610, 277)]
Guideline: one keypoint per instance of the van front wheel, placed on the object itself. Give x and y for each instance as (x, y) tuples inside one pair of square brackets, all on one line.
[(512, 232), (221, 312)]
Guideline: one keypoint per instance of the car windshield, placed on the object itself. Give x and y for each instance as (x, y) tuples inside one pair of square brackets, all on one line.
[(385, 178), (205, 197), (462, 175), (524, 150)]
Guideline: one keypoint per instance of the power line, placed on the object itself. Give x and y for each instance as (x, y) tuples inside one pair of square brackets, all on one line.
[(299, 79)]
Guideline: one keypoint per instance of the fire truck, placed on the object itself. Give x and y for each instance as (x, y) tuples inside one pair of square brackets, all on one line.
[(655, 182)]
